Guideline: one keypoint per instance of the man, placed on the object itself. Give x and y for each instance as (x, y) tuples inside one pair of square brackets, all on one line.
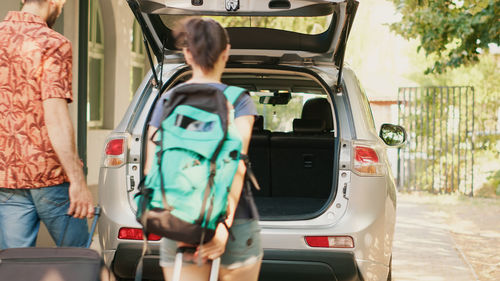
[(41, 178)]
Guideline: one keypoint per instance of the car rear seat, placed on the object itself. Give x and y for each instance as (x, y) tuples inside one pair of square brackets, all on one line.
[(260, 156), (302, 161)]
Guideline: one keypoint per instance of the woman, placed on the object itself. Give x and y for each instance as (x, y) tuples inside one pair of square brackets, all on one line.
[(205, 45)]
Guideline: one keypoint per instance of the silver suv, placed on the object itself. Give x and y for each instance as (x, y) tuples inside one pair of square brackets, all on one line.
[(327, 200)]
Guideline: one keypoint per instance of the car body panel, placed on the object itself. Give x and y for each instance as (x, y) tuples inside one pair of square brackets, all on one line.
[(360, 110), (284, 265), (327, 46)]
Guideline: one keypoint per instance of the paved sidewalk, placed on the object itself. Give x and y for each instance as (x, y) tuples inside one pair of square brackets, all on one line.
[(423, 247)]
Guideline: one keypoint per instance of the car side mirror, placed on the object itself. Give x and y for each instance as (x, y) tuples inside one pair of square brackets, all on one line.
[(393, 135)]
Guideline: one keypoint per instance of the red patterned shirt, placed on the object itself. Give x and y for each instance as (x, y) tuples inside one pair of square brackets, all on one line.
[(35, 65)]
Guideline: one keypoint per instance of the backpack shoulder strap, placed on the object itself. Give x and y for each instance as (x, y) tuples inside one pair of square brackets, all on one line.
[(233, 93)]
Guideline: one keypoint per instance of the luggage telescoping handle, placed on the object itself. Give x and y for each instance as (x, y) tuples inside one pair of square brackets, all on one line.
[(97, 213), (214, 272)]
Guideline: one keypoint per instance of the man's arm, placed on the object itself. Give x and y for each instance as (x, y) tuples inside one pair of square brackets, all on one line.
[(61, 134)]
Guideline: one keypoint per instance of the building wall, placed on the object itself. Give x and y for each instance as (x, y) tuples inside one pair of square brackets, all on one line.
[(118, 21), (8, 5), (68, 26)]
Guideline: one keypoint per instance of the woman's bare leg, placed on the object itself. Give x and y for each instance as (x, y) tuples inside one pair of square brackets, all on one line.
[(189, 272)]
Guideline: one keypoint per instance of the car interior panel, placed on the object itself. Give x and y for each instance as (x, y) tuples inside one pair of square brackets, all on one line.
[(260, 156), (285, 163), (301, 158)]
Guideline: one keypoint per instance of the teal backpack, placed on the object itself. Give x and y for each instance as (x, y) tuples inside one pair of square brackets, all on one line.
[(198, 146)]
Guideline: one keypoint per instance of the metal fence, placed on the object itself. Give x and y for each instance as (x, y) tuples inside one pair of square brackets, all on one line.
[(439, 156)]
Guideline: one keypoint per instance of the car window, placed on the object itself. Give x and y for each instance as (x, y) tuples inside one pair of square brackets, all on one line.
[(279, 117), (304, 25), (366, 104)]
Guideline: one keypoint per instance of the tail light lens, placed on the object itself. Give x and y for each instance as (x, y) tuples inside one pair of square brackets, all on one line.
[(114, 153), (330, 241), (135, 234), (367, 162)]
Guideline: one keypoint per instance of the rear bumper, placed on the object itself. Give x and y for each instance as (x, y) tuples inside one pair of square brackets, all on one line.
[(299, 265), (126, 258), (289, 265), (302, 265)]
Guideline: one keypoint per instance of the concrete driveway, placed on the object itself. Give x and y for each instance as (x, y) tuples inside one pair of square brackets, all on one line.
[(424, 249)]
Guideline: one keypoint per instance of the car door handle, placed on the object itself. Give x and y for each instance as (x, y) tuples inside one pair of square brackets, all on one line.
[(131, 183)]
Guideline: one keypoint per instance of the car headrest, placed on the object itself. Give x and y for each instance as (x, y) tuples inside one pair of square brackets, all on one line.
[(318, 109), (258, 124), (309, 126)]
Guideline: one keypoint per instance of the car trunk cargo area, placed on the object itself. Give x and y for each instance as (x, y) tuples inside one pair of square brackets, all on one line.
[(293, 145)]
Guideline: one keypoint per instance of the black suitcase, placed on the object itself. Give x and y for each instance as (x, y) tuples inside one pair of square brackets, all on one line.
[(52, 264)]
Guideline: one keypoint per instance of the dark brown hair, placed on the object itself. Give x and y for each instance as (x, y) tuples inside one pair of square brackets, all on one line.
[(205, 38)]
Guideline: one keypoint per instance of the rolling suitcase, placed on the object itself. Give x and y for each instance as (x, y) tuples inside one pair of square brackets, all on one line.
[(52, 264), (214, 272)]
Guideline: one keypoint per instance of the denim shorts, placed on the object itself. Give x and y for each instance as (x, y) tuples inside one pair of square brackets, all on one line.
[(245, 249), (21, 211)]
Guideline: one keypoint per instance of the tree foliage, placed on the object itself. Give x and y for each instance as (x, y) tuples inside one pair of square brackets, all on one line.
[(454, 32)]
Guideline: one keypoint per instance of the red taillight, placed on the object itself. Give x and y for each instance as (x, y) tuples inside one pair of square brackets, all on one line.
[(367, 162), (330, 241), (365, 154), (115, 147), (114, 153), (317, 241), (135, 234)]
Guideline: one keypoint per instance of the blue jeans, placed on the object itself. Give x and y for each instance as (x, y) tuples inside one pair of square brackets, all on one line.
[(21, 211)]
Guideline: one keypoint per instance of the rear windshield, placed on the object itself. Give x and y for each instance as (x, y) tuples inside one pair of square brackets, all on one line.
[(304, 25), (279, 117)]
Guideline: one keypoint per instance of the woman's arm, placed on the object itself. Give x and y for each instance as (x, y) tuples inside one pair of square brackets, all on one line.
[(244, 125), (215, 248), (150, 150)]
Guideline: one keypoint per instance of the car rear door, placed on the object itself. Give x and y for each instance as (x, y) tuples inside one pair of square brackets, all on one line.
[(154, 17)]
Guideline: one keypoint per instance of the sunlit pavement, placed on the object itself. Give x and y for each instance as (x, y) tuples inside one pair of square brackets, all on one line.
[(423, 247)]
